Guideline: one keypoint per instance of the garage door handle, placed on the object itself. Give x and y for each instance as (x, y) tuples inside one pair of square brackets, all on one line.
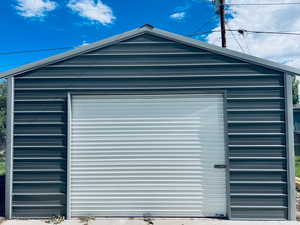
[(219, 166)]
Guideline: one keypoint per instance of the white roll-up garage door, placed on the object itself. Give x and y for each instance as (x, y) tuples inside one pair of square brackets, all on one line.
[(154, 155)]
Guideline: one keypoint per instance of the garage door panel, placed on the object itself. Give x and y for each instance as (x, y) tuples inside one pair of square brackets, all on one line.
[(147, 154)]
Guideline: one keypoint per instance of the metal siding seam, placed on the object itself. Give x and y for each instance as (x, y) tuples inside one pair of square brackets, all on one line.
[(145, 65), (227, 161), (141, 76), (68, 191), (146, 92), (147, 88), (290, 147), (9, 148)]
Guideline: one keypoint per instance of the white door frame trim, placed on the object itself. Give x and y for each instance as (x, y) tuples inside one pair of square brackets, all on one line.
[(207, 92)]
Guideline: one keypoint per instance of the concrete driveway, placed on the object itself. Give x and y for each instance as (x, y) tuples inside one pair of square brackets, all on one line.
[(155, 222)]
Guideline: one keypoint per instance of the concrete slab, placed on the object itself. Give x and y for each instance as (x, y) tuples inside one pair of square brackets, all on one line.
[(165, 221)]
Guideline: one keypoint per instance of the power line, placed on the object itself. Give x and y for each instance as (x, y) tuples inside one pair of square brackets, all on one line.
[(216, 40), (258, 4), (263, 3), (241, 31), (35, 50), (200, 33), (244, 37), (234, 37), (204, 25)]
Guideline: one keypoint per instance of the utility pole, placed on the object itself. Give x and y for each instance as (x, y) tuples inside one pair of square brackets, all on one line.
[(220, 10), (222, 20)]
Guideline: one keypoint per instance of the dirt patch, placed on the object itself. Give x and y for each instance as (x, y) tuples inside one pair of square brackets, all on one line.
[(2, 220), (298, 200), (298, 204)]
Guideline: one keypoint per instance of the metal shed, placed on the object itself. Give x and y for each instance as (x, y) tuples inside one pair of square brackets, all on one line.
[(150, 123)]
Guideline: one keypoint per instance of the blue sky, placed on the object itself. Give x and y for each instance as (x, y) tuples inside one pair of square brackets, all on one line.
[(42, 24), (64, 26)]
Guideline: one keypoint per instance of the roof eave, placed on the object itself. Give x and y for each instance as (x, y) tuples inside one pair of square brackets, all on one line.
[(74, 52), (226, 52), (157, 32)]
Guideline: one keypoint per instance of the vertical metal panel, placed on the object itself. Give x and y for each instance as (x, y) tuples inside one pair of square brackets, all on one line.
[(227, 154), (290, 147), (69, 156), (9, 147), (148, 154)]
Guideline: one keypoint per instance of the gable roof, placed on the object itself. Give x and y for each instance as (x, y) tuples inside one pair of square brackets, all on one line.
[(148, 29)]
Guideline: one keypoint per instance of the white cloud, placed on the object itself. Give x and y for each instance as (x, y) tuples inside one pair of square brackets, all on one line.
[(84, 42), (281, 48), (34, 8), (93, 10), (177, 16)]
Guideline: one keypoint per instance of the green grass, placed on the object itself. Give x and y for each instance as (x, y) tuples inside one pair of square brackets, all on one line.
[(297, 165), (2, 167)]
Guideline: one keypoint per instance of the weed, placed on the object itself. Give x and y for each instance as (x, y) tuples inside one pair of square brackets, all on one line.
[(148, 219), (86, 219), (55, 220)]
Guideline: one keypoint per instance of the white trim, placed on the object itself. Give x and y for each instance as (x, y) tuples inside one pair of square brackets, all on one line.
[(92, 111), (9, 147), (290, 148), (69, 157), (77, 51), (157, 32), (227, 155), (225, 51)]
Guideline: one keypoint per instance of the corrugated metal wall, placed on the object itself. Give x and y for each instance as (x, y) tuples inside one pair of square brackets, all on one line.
[(146, 64)]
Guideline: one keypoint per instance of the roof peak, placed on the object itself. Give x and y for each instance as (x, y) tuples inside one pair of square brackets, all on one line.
[(148, 26)]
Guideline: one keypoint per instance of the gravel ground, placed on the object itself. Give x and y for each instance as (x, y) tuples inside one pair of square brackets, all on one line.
[(165, 221), (298, 200), (298, 204), (155, 222)]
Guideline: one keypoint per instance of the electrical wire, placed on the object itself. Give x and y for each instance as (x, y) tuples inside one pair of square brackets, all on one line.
[(35, 50), (200, 33), (241, 31), (204, 25), (234, 37), (264, 32), (263, 4), (244, 37), (216, 40)]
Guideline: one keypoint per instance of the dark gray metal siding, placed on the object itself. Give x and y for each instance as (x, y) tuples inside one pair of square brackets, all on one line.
[(147, 64)]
